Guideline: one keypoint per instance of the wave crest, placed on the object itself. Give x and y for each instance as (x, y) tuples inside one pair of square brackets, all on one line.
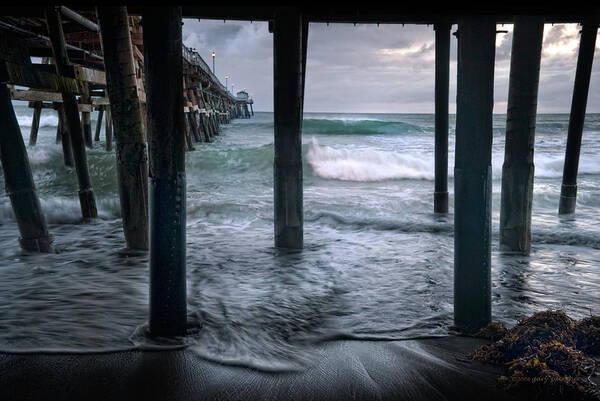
[(321, 126), (367, 164)]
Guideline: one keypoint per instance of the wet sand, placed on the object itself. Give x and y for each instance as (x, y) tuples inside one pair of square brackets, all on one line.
[(428, 369)]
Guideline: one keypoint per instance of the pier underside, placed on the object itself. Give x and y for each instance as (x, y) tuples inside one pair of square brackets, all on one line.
[(429, 369)]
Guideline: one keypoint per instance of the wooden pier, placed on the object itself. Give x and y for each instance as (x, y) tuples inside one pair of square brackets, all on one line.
[(92, 60), (154, 90)]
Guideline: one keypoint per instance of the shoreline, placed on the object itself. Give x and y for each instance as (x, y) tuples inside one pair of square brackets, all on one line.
[(424, 369)]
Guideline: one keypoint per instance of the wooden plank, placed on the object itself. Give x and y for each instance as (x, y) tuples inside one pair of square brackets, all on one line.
[(83, 37), (43, 96)]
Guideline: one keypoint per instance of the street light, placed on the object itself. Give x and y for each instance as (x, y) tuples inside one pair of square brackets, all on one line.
[(213, 56), (226, 78)]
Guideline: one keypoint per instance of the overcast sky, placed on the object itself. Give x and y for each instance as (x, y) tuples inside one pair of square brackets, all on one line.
[(379, 69)]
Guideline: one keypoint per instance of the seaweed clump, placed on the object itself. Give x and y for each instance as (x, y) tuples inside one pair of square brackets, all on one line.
[(547, 355)]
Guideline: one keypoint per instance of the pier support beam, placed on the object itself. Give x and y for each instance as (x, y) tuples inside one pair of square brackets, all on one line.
[(518, 167), (35, 123), (132, 159), (71, 114), (19, 180), (99, 124), (86, 123), (108, 129), (163, 67), (473, 172), (568, 191), (64, 135), (288, 87), (442, 82)]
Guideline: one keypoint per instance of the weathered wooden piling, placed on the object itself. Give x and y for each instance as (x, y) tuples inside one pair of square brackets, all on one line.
[(518, 167), (99, 124), (193, 115), (568, 191), (208, 133), (132, 159), (86, 123), (18, 180), (65, 136), (192, 119), (288, 100), (442, 82), (71, 114), (35, 123), (472, 172), (59, 125), (164, 73), (188, 136), (108, 129)]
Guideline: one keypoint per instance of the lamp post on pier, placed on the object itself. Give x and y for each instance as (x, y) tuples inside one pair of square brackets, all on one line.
[(213, 56), (226, 78)]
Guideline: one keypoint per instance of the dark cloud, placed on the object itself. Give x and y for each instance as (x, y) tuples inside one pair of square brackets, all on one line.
[(370, 68)]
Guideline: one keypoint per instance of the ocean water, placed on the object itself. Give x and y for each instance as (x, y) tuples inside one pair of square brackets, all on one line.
[(378, 264)]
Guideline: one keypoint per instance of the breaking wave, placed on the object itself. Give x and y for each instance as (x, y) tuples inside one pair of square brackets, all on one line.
[(367, 164)]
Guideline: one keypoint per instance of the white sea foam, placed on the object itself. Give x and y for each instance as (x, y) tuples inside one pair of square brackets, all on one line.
[(61, 210), (46, 120), (367, 164), (379, 165), (39, 154), (552, 165)]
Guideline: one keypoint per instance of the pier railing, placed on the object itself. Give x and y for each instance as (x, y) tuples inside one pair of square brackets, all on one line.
[(194, 58)]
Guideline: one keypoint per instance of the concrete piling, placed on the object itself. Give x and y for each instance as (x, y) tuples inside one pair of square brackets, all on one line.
[(132, 159), (19, 180), (472, 172), (71, 114), (518, 167), (568, 191), (288, 69), (442, 82), (164, 74)]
